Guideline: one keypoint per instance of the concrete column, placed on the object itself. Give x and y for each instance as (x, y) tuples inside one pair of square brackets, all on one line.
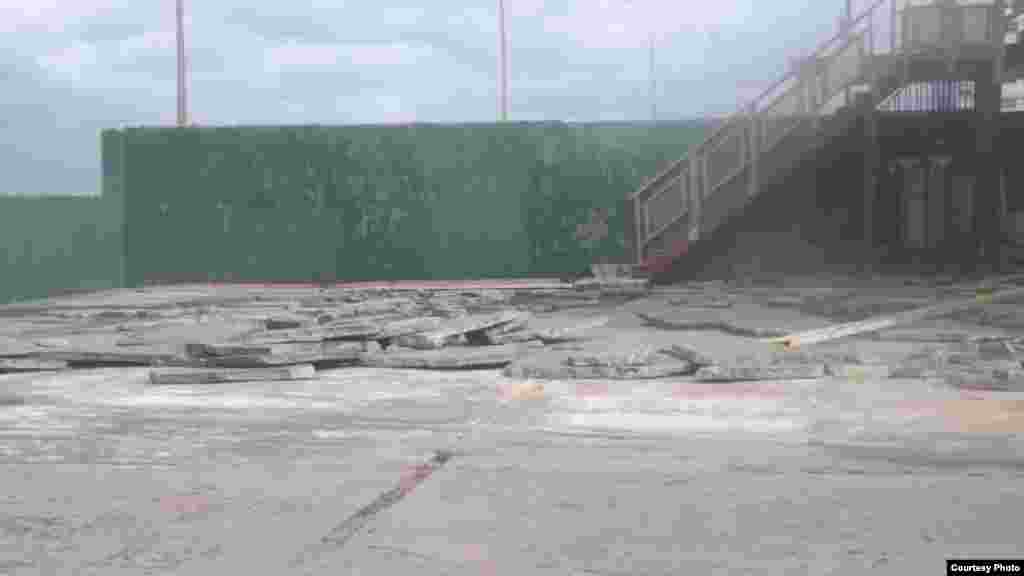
[(872, 152), (872, 160), (987, 167)]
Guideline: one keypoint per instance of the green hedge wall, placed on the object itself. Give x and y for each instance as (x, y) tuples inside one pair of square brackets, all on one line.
[(375, 202), (53, 245)]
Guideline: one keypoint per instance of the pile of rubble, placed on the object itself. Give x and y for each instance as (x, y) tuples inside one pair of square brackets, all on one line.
[(713, 332), (215, 335)]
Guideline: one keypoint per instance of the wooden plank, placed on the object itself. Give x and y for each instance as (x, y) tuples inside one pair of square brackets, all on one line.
[(215, 376)]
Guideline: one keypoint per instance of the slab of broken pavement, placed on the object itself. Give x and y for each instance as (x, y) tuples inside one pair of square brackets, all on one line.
[(146, 379)]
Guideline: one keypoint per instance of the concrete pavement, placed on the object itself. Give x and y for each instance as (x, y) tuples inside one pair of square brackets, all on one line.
[(103, 474)]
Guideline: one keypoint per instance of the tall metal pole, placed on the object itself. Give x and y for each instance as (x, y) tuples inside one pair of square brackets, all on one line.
[(182, 95), (654, 96), (503, 72), (847, 22)]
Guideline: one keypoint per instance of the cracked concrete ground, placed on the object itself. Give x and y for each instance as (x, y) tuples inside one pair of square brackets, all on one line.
[(103, 473)]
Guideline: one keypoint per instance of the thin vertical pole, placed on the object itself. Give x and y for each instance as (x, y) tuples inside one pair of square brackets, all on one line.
[(654, 97), (182, 94), (503, 72), (847, 29), (892, 27)]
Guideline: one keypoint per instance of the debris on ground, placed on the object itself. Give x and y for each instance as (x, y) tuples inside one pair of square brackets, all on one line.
[(613, 327), (172, 376), (740, 373), (470, 327), (454, 357), (984, 297), (254, 356), (8, 365)]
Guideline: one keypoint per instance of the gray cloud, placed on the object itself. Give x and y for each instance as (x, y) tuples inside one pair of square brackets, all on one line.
[(106, 63)]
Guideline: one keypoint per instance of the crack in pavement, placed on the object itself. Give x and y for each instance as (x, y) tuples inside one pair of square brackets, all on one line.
[(342, 533), (404, 552), (708, 326)]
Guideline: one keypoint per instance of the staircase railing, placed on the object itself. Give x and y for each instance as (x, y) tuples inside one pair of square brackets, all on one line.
[(668, 208), (694, 195)]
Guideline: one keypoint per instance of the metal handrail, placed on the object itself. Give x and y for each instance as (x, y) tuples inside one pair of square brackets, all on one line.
[(753, 105)]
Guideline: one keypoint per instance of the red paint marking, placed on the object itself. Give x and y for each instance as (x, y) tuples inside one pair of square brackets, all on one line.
[(974, 396), (731, 390), (478, 555), (588, 389), (184, 504), (920, 407), (413, 475)]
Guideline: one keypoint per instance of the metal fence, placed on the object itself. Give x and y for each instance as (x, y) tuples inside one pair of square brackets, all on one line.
[(816, 87), (733, 148), (940, 96), (666, 204)]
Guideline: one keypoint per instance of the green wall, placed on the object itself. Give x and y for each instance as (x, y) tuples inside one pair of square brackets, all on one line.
[(375, 202), (57, 244)]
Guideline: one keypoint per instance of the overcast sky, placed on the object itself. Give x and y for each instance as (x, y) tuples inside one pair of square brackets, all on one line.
[(69, 68)]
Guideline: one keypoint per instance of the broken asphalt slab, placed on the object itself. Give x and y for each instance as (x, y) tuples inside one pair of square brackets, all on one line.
[(241, 356), (628, 356), (686, 336), (8, 365), (450, 330), (185, 376), (450, 358)]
